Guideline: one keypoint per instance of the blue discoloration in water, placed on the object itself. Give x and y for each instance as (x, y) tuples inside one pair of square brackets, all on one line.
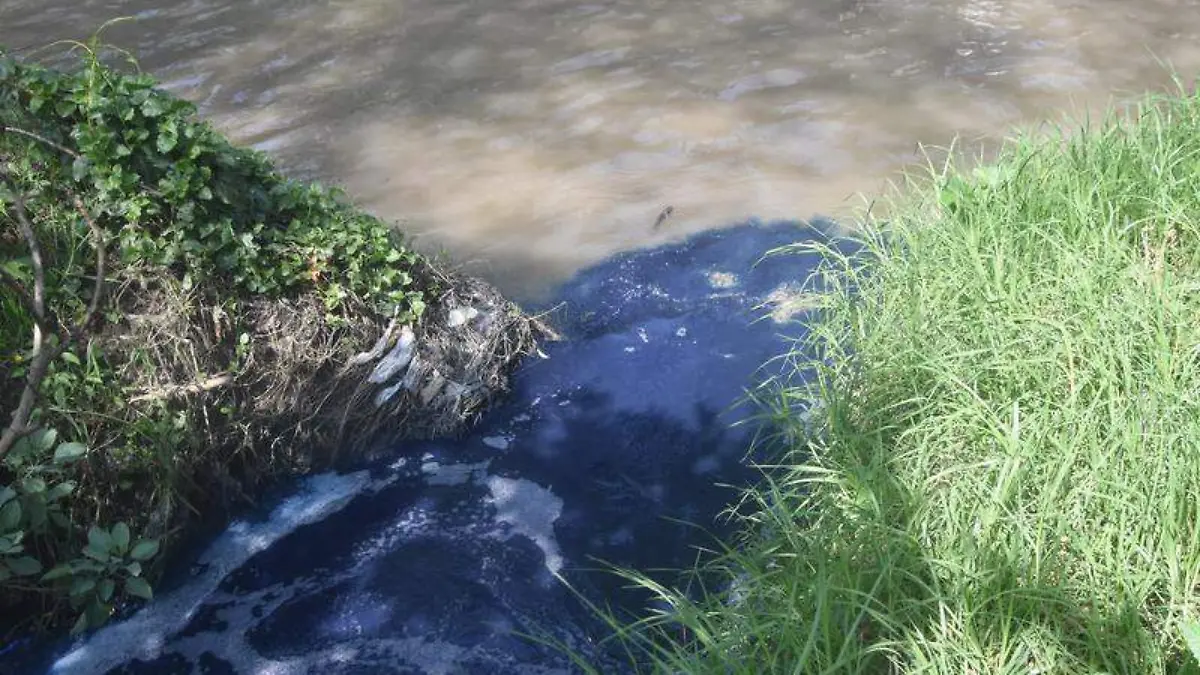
[(436, 563)]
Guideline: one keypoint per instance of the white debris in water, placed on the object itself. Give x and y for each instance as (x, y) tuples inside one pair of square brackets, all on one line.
[(722, 279), (142, 635), (497, 442), (452, 474), (461, 315), (530, 510), (682, 332), (397, 359), (630, 350), (523, 417), (641, 333), (787, 301)]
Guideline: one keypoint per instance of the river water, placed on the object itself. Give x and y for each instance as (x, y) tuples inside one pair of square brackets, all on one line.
[(529, 138)]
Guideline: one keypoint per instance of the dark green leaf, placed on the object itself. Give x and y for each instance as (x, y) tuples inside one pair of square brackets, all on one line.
[(98, 612), (134, 568), (11, 543), (70, 358), (43, 439), (57, 572), (6, 493), (61, 490), (153, 107), (81, 624), (10, 516), (96, 554), (69, 452), (166, 140), (35, 511), (82, 586), (105, 589), (144, 550), (99, 539), (120, 538), (25, 566), (33, 486), (138, 587)]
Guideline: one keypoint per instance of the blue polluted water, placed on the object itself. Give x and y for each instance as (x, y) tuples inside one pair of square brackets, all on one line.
[(616, 448)]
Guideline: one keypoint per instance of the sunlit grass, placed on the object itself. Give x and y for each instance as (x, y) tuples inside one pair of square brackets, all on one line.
[(1004, 473)]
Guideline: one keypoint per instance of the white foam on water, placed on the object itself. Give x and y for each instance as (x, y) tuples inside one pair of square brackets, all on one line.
[(143, 634), (497, 442), (530, 510), (437, 473)]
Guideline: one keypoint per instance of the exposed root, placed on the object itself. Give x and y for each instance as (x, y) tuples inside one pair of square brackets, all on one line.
[(274, 386)]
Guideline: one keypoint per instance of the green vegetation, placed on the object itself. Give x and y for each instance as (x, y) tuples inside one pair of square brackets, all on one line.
[(174, 317), (1003, 475)]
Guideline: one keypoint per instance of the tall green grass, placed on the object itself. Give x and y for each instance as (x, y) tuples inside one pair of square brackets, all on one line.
[(1003, 475)]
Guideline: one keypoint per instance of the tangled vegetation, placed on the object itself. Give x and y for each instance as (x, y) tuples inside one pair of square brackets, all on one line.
[(179, 322), (1003, 471)]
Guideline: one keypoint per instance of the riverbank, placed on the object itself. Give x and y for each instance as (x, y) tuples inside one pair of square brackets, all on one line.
[(1004, 470), (180, 325)]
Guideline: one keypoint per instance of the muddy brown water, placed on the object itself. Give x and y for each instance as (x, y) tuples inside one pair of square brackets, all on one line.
[(529, 138)]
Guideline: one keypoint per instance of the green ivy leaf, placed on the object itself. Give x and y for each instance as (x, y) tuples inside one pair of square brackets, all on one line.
[(144, 550), (167, 139), (70, 358), (153, 107), (6, 493), (138, 587)]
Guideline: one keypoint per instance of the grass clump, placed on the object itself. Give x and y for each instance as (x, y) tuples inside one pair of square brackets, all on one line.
[(181, 323), (1002, 474)]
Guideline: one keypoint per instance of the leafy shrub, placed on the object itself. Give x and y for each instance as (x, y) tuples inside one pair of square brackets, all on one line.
[(118, 187)]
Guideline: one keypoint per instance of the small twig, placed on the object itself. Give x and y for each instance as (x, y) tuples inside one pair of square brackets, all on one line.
[(214, 382), (41, 139), (35, 254), (545, 329)]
